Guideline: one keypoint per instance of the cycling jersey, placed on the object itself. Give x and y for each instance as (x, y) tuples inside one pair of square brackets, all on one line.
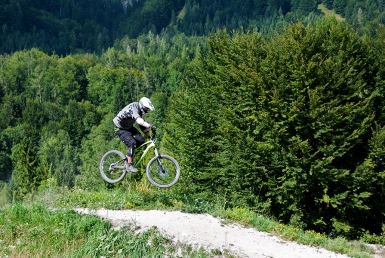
[(128, 116)]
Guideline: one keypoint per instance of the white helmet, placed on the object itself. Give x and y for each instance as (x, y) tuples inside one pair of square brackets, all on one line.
[(145, 105)]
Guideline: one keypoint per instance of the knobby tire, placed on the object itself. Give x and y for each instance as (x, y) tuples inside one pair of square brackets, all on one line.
[(118, 171), (166, 175)]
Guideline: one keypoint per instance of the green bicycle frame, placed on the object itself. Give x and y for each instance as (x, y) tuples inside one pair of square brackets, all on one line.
[(150, 144)]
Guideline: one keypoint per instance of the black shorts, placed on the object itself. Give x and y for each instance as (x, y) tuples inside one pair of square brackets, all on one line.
[(131, 137)]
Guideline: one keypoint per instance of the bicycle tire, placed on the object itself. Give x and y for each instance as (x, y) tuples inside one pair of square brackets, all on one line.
[(112, 167), (163, 176)]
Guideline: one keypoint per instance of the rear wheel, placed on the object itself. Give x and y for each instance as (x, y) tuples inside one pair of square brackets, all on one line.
[(112, 167), (163, 171)]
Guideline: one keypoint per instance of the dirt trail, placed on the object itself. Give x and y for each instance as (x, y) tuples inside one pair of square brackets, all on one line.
[(203, 230)]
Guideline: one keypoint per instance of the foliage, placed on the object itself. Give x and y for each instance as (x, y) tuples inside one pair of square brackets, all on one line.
[(141, 197), (322, 118), (64, 107), (36, 231), (5, 159), (287, 122), (69, 27), (292, 233), (3, 195), (26, 174), (58, 158), (100, 140)]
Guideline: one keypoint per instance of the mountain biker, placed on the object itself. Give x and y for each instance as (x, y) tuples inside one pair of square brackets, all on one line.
[(127, 133)]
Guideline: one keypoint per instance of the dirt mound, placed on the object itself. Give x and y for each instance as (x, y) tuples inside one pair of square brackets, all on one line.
[(203, 230)]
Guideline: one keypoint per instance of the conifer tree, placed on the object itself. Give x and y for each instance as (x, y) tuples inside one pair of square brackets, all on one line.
[(339, 6), (328, 3), (26, 174), (322, 108), (284, 123)]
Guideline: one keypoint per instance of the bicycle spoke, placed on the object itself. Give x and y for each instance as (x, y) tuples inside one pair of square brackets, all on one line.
[(112, 167), (163, 172)]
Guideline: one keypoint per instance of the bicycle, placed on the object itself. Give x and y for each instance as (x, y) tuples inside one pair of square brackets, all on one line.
[(162, 170)]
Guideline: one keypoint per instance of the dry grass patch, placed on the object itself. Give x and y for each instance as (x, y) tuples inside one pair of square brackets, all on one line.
[(330, 13)]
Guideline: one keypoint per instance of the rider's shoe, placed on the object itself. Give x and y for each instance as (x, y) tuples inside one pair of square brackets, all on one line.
[(130, 167)]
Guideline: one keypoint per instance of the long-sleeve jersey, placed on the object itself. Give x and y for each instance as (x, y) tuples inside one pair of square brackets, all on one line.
[(128, 116)]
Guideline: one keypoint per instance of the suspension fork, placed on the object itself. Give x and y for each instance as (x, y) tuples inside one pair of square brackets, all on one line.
[(157, 157)]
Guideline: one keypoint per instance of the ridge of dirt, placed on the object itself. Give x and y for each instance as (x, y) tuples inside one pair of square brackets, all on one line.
[(204, 230)]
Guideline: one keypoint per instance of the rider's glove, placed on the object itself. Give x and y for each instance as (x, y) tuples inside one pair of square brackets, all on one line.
[(153, 129)]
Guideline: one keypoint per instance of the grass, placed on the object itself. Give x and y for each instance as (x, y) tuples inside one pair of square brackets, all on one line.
[(64, 233), (311, 238), (181, 14), (147, 197), (330, 13), (36, 231)]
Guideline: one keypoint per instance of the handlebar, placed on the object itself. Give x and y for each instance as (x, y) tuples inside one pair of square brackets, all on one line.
[(153, 132)]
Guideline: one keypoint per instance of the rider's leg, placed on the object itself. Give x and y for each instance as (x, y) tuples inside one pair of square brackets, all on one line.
[(137, 136), (130, 153), (130, 164), (126, 137), (139, 140)]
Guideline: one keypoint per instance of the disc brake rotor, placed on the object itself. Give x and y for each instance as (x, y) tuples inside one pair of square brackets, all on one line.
[(162, 172)]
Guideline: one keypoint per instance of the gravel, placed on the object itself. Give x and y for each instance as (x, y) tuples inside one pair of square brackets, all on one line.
[(208, 232)]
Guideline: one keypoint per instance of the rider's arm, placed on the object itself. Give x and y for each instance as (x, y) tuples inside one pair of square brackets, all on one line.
[(144, 126), (145, 131), (141, 122)]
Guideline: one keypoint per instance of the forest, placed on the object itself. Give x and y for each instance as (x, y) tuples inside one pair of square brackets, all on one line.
[(268, 104)]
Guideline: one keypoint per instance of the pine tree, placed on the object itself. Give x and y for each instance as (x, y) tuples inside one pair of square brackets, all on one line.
[(328, 3), (215, 98), (307, 6), (58, 158), (339, 6), (26, 174), (5, 159), (323, 115), (264, 121)]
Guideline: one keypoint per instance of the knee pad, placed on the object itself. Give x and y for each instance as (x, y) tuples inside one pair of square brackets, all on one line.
[(130, 151)]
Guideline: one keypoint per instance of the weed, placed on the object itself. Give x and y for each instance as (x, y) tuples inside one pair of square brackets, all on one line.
[(36, 231), (140, 196)]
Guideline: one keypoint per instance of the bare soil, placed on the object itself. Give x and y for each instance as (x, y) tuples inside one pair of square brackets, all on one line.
[(210, 233)]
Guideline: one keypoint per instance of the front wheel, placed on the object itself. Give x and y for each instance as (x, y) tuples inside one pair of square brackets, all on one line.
[(163, 171), (112, 167)]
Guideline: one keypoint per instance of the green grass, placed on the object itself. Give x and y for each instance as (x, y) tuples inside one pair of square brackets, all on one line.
[(36, 231), (76, 235), (181, 14), (144, 197), (311, 238)]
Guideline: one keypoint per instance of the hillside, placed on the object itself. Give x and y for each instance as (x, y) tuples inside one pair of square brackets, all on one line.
[(212, 234), (69, 27), (283, 115), (330, 13)]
